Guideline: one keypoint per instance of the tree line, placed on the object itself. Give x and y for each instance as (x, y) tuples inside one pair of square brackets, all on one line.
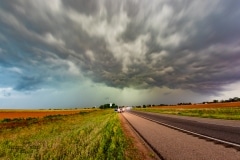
[(113, 105), (105, 106)]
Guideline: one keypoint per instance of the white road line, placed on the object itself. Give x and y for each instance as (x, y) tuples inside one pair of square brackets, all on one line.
[(190, 132)]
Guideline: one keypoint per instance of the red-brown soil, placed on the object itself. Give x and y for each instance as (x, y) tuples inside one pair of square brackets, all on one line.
[(33, 113), (209, 105)]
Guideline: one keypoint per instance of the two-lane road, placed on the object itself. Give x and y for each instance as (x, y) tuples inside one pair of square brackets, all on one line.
[(227, 130), (176, 145)]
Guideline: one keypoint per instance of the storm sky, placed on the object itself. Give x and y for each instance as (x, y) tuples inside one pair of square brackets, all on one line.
[(84, 53)]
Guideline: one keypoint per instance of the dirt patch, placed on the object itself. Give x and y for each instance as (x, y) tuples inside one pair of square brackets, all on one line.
[(138, 147)]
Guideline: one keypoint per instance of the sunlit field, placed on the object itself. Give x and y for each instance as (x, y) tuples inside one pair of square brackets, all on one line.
[(229, 111), (11, 113), (94, 134)]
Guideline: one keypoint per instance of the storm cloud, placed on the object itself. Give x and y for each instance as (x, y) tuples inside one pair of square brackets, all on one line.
[(184, 44)]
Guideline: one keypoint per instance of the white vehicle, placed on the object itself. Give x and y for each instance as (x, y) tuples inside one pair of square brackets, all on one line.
[(119, 110)]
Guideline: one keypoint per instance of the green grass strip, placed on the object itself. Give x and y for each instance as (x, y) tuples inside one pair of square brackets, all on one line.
[(217, 113), (95, 135)]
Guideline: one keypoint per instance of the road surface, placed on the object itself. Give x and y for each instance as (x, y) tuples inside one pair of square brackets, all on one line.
[(227, 130), (176, 145)]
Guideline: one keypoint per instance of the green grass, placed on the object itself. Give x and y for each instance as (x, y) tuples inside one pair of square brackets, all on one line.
[(93, 135), (217, 113)]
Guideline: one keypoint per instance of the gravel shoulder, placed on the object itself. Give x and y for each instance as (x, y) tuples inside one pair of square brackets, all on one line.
[(175, 145), (138, 148)]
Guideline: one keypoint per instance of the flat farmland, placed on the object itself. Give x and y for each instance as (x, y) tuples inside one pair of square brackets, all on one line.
[(88, 134), (11, 114), (209, 105), (229, 110)]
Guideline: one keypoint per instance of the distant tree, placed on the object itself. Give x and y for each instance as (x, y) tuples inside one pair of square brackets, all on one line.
[(114, 105), (105, 106), (236, 99)]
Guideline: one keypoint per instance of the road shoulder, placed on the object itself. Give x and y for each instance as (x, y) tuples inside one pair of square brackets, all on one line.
[(138, 146)]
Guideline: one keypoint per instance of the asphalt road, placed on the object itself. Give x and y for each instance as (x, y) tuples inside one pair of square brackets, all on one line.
[(227, 130), (175, 145)]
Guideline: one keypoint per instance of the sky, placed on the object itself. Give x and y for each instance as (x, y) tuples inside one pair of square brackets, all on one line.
[(84, 53)]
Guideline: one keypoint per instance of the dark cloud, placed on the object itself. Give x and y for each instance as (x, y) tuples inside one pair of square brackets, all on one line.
[(28, 83), (185, 44), (88, 7)]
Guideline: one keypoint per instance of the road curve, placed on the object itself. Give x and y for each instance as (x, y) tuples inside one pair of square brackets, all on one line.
[(175, 145)]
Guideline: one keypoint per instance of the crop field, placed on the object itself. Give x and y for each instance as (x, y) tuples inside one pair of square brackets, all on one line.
[(209, 105), (229, 111), (94, 134), (4, 113)]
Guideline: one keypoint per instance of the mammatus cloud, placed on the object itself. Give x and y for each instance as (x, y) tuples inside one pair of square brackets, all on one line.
[(191, 45)]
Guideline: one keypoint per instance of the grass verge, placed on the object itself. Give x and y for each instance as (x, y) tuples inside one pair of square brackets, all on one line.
[(217, 113), (93, 135)]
